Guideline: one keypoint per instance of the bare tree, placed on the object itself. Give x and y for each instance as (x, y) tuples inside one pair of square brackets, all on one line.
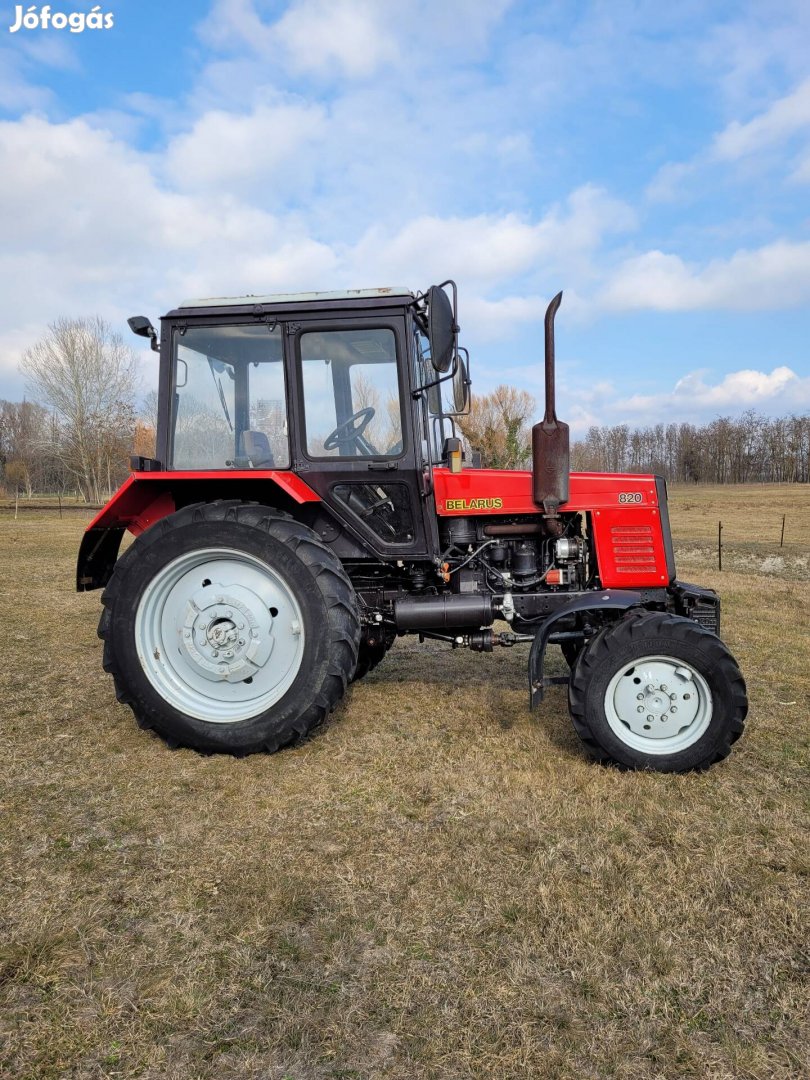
[(499, 426), (83, 370)]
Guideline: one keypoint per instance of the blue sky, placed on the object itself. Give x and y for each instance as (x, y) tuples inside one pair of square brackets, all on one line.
[(652, 161)]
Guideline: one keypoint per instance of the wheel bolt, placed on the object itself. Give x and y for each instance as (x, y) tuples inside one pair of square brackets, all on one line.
[(686, 697), (663, 687), (639, 697), (674, 708), (640, 708), (650, 689), (650, 717)]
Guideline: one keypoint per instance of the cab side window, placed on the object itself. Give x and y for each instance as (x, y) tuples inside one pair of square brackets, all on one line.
[(350, 382)]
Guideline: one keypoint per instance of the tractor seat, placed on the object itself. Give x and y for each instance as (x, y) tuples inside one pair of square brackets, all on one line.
[(256, 448)]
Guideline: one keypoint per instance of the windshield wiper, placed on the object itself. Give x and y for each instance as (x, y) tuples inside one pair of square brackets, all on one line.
[(221, 392)]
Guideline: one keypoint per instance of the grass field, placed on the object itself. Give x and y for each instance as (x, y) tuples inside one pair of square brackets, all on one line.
[(439, 885)]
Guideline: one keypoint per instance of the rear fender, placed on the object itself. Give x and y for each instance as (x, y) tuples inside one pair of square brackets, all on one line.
[(149, 496), (610, 600)]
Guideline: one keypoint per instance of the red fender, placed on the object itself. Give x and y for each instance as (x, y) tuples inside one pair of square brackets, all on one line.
[(146, 497)]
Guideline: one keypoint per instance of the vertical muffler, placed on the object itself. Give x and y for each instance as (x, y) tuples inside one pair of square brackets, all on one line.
[(551, 461)]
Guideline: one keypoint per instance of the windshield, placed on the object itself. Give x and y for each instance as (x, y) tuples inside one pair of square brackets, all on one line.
[(230, 401)]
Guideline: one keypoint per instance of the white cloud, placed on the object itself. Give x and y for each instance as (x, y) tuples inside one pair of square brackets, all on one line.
[(779, 390), (85, 219), (801, 174), (88, 219), (783, 119), (695, 398), (16, 90), (353, 38), (670, 181), (488, 249), (774, 276), (745, 387), (350, 36), (240, 151)]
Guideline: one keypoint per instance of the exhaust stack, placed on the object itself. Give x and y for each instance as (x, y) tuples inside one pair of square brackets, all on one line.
[(551, 462)]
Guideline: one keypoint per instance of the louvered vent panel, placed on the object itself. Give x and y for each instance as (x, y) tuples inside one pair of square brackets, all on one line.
[(633, 551)]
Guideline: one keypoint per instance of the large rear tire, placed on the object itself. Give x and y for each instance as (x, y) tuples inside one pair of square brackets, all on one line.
[(657, 691), (229, 628)]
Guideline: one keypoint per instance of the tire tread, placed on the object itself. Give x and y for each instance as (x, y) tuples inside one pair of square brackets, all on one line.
[(336, 589), (644, 624)]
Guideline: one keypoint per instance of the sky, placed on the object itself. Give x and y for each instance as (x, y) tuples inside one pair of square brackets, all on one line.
[(650, 160)]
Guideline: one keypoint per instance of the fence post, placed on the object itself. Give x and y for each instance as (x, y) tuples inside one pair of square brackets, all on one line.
[(719, 545), (782, 537)]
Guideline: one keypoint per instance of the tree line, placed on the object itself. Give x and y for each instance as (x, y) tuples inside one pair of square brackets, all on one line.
[(743, 450), (747, 449)]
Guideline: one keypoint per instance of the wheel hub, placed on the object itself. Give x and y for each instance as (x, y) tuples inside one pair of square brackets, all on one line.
[(659, 704), (221, 634), (228, 632)]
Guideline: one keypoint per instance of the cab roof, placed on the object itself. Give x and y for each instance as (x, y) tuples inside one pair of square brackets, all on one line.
[(282, 299)]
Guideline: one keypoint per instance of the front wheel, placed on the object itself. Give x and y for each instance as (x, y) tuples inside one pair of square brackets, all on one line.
[(656, 691), (229, 627)]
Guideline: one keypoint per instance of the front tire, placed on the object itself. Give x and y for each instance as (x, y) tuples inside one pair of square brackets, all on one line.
[(229, 627), (657, 691)]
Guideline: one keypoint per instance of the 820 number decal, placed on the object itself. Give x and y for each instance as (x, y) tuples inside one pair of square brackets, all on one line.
[(630, 497)]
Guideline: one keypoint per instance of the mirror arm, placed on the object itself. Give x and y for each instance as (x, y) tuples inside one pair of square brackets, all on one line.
[(454, 287), (417, 393)]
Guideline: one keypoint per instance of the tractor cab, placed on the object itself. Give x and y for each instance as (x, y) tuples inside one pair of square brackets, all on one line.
[(342, 389)]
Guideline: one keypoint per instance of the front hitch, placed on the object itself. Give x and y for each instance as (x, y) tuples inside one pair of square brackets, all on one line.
[(610, 600)]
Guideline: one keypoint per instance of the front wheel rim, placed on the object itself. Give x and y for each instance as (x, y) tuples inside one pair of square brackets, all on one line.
[(219, 635), (658, 705)]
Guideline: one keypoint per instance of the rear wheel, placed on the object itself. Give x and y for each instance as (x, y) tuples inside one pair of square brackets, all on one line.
[(229, 627), (656, 691)]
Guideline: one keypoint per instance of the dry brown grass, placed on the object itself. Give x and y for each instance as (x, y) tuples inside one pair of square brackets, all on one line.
[(438, 885)]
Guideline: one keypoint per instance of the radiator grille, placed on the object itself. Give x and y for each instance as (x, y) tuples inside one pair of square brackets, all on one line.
[(633, 551), (708, 617)]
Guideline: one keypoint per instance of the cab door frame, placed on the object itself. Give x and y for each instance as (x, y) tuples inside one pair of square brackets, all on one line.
[(323, 474)]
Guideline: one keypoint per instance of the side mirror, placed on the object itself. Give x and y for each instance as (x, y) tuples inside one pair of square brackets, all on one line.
[(461, 385), (442, 328), (140, 325)]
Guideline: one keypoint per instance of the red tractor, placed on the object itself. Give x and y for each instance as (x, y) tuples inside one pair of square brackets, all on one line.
[(310, 502)]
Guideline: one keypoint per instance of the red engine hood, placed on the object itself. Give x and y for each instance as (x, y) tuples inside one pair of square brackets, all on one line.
[(501, 491)]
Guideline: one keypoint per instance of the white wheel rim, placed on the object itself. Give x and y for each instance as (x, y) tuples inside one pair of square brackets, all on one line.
[(219, 635), (658, 704)]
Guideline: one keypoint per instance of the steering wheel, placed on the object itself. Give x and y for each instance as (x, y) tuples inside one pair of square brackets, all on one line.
[(350, 430)]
